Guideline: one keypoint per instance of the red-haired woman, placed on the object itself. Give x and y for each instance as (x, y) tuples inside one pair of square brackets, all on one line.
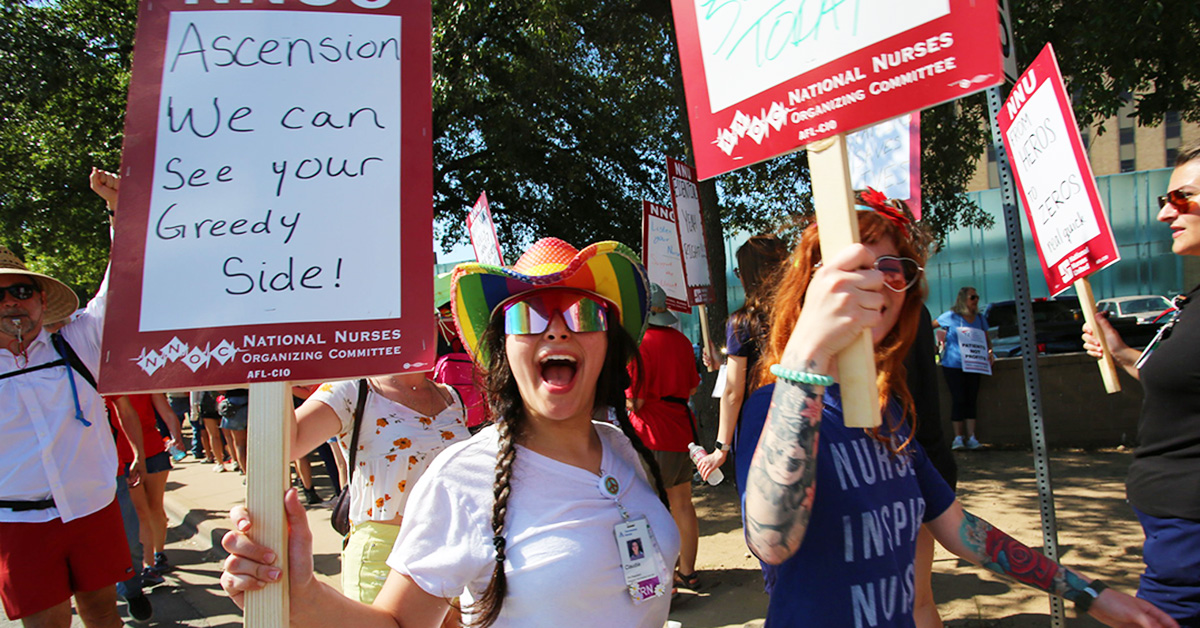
[(844, 547)]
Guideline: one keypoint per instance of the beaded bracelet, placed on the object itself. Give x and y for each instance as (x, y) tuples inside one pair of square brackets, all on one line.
[(800, 377)]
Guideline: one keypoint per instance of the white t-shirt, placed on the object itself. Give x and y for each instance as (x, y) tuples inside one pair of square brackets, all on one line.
[(563, 566), (395, 446)]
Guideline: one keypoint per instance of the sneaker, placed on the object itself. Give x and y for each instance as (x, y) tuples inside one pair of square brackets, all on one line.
[(151, 578), (972, 443), (220, 468), (161, 565), (958, 443), (140, 608), (311, 497)]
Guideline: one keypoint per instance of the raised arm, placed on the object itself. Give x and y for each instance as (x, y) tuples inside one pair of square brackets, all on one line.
[(841, 302), (981, 543)]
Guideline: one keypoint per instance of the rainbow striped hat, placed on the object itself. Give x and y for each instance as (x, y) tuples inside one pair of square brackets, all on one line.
[(608, 269)]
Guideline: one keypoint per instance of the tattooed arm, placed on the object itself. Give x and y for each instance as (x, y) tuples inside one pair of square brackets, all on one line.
[(783, 473), (978, 541)]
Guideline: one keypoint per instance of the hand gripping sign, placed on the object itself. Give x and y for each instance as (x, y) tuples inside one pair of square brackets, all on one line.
[(764, 78), (1055, 179), (276, 214)]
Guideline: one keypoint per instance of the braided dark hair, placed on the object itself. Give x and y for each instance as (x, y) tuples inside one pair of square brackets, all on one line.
[(506, 408)]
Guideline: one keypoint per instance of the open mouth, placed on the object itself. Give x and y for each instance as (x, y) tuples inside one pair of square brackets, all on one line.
[(558, 370)]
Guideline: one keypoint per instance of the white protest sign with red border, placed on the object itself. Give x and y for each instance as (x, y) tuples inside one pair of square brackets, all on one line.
[(1055, 179), (763, 77), (661, 254), (482, 230), (685, 198), (887, 157), (276, 196)]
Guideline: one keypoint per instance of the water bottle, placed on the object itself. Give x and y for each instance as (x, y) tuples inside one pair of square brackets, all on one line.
[(697, 452)]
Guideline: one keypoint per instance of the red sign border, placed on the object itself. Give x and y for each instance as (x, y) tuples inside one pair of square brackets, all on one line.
[(971, 21), (1104, 243), (118, 372)]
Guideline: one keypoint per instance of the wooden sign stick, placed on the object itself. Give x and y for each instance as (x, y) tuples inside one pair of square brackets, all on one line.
[(837, 221), (704, 333), (269, 454), (1108, 370)]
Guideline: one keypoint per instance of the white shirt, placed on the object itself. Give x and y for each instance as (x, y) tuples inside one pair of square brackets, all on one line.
[(562, 562), (44, 450)]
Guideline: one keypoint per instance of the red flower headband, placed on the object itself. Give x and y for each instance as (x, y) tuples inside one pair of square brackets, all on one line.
[(878, 201)]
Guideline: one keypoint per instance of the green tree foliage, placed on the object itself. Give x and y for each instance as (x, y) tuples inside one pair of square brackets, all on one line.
[(64, 71)]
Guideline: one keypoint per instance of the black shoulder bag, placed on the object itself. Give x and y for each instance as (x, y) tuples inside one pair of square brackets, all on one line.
[(340, 519)]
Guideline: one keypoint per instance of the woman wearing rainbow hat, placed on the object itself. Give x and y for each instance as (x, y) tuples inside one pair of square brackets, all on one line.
[(529, 521)]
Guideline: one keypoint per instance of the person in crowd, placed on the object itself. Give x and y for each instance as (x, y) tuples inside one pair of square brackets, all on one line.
[(455, 368), (406, 420), (659, 412), (963, 385), (127, 430), (61, 533), (758, 260), (219, 447), (545, 544), (844, 546), (234, 409), (1162, 483), (182, 407), (148, 493)]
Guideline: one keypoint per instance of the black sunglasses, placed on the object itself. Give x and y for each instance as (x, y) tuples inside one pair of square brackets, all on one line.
[(1177, 199), (20, 292)]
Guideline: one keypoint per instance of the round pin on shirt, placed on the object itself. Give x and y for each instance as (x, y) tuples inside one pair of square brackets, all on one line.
[(609, 486)]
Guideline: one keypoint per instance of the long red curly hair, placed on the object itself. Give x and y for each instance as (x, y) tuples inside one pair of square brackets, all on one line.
[(788, 301)]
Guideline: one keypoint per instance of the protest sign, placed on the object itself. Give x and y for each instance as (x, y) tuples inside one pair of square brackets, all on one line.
[(1054, 177), (1055, 181), (661, 254), (763, 78), (685, 198), (483, 233), (973, 347), (276, 194), (887, 157)]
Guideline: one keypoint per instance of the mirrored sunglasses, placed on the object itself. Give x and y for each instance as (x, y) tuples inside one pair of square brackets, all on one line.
[(1177, 199), (899, 273), (20, 292), (532, 314)]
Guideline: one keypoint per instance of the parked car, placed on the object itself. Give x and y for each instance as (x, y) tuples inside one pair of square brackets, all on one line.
[(1057, 326), (1144, 308)]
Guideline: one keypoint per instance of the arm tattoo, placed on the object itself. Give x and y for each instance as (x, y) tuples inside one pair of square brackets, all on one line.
[(1004, 555), (782, 478)]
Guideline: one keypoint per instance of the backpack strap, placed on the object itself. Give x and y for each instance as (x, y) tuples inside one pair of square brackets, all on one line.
[(68, 354), (358, 415)]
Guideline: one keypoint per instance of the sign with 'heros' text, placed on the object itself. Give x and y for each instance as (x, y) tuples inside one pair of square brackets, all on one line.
[(661, 255), (685, 197), (276, 195), (764, 77), (1052, 171)]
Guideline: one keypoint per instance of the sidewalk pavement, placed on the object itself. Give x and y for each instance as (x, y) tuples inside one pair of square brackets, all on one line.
[(198, 501)]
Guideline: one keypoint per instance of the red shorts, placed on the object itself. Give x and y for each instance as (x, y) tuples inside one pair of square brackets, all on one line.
[(44, 564)]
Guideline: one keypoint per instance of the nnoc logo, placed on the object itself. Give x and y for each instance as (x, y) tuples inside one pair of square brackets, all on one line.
[(364, 4)]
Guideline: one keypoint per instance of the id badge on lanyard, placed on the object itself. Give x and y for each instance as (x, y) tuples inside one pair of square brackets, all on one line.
[(641, 560)]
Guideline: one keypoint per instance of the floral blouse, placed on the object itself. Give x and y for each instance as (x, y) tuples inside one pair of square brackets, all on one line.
[(395, 447)]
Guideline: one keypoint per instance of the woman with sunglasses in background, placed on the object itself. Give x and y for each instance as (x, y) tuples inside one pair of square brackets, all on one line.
[(1163, 484), (960, 321), (844, 546), (546, 543)]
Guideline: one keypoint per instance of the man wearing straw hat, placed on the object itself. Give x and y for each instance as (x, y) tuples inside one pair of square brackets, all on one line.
[(61, 532)]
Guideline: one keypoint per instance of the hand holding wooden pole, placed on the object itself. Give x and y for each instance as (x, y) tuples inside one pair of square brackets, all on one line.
[(268, 441), (838, 225), (706, 339), (1108, 369)]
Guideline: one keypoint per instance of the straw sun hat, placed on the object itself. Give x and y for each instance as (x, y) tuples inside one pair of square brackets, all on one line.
[(61, 301), (609, 270)]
